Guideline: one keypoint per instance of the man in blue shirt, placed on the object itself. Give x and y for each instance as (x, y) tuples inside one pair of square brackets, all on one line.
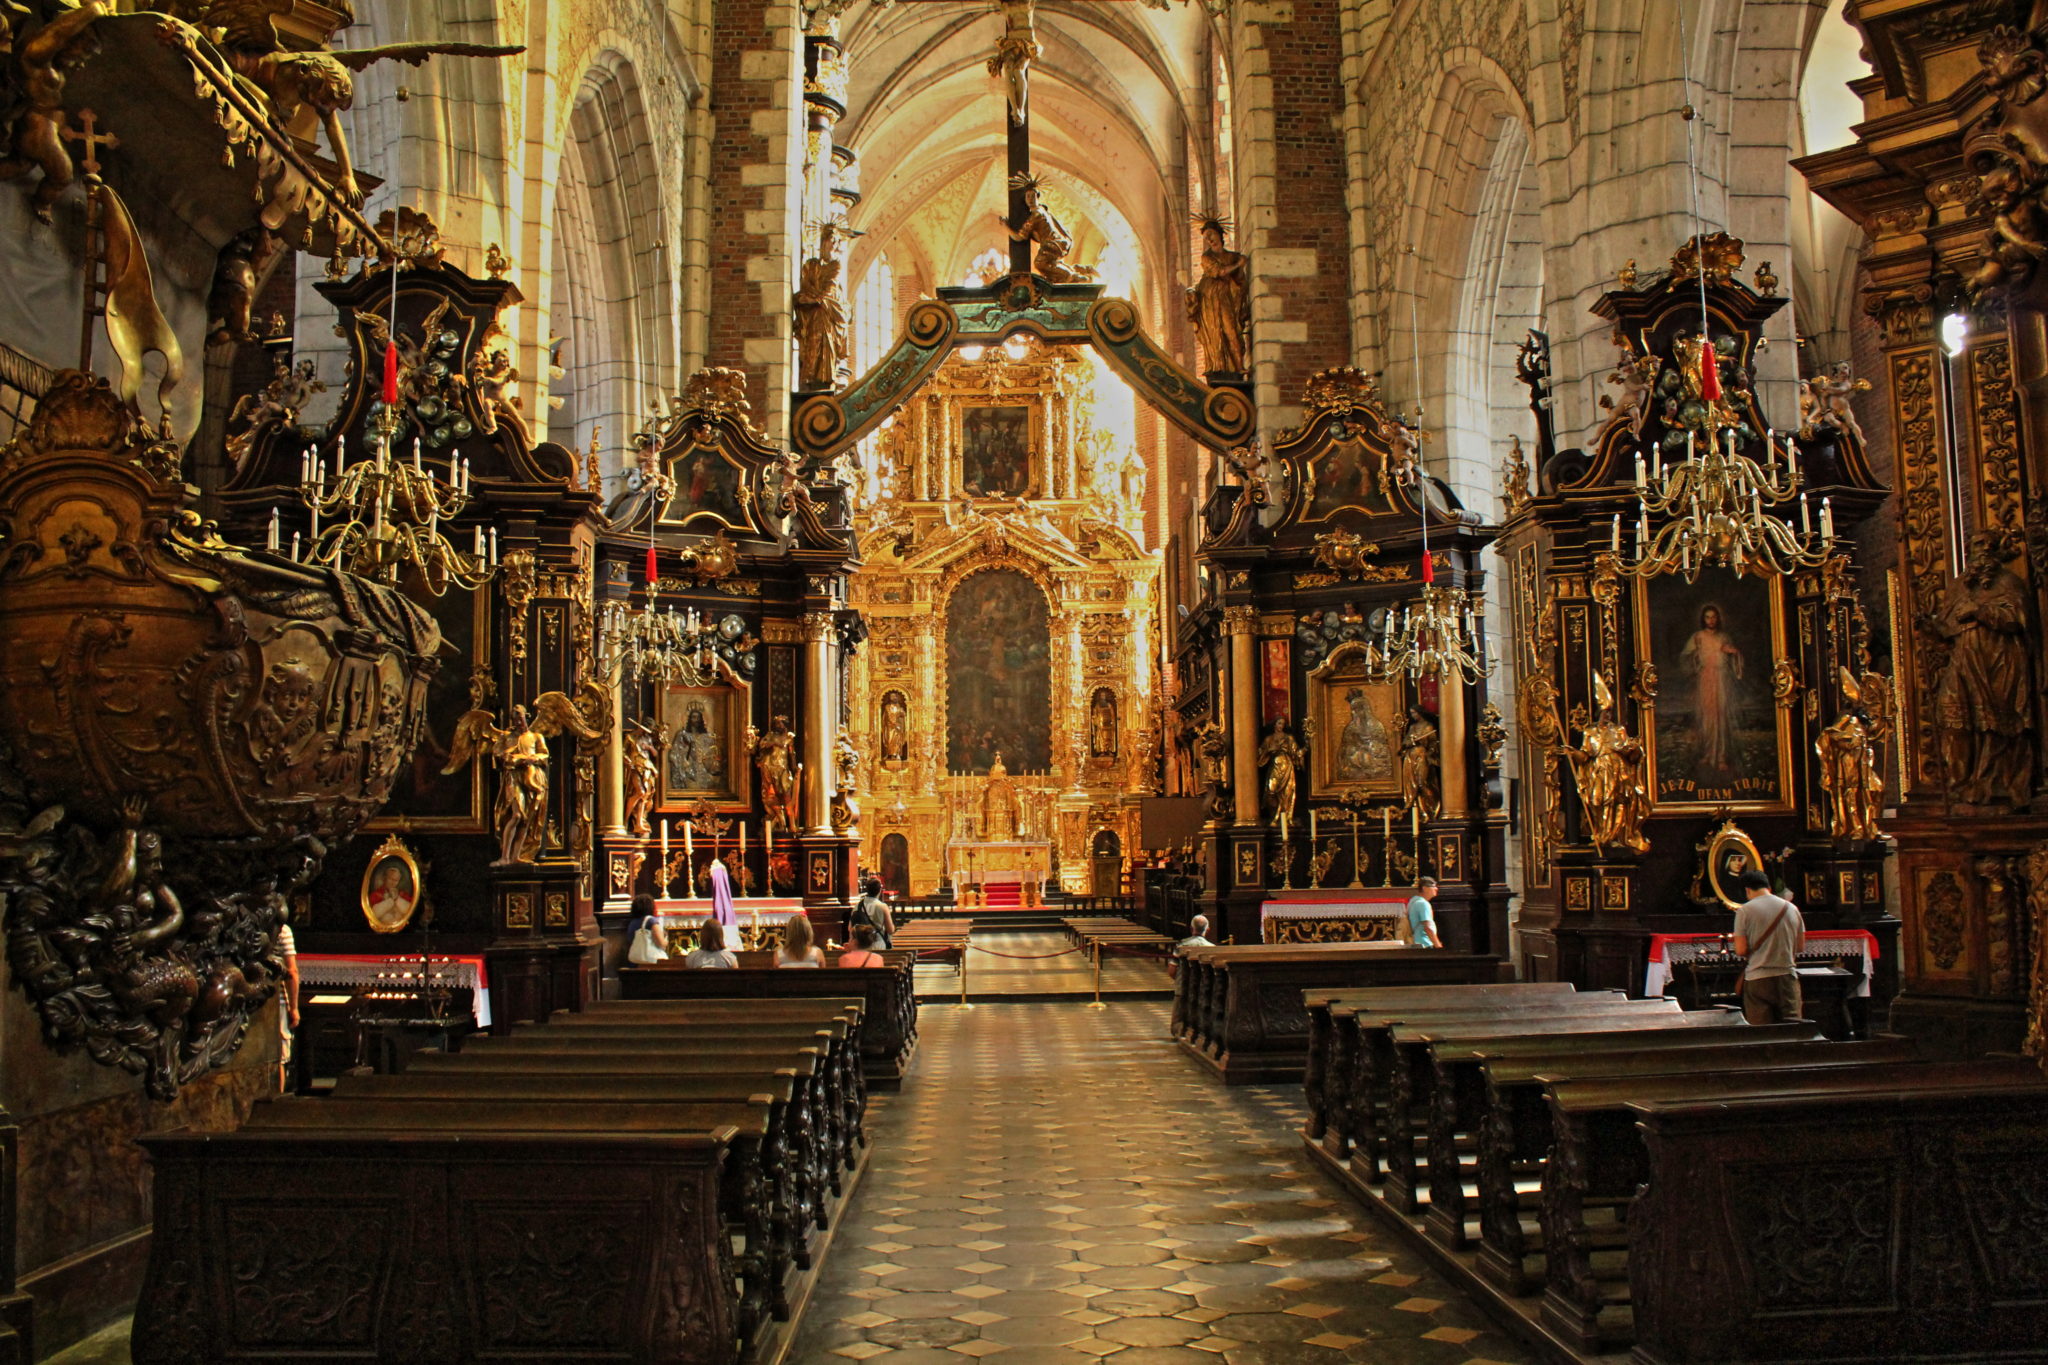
[(1421, 921)]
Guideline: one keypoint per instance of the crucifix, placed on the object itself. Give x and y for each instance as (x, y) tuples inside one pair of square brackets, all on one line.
[(89, 135), (1039, 243)]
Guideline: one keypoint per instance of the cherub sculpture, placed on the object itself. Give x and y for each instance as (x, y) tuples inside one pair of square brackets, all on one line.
[(278, 405), (319, 83), (1830, 394), (521, 752), (47, 58)]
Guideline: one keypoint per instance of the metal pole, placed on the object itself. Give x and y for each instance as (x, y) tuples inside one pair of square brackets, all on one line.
[(1096, 1003)]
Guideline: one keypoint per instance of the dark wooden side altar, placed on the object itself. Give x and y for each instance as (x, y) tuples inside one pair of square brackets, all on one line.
[(1728, 768), (754, 546), (1308, 554), (526, 632), (1949, 179)]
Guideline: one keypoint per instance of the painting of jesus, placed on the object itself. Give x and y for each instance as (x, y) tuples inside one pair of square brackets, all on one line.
[(1718, 734)]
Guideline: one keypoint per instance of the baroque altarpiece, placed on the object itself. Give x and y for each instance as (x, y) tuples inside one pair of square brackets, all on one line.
[(1948, 178), (1321, 766), (1700, 689), (1005, 700)]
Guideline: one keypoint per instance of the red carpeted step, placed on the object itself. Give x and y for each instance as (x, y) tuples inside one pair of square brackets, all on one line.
[(1003, 896)]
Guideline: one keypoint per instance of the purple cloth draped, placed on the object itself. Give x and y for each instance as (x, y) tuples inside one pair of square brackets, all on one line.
[(721, 895)]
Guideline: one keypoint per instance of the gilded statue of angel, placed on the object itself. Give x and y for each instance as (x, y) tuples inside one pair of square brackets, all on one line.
[(521, 752), (1609, 767), (320, 82)]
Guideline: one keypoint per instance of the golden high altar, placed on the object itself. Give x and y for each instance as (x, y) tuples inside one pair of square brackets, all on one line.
[(1007, 690)]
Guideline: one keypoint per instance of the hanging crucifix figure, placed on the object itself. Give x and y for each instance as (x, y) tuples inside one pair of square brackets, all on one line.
[(1014, 55)]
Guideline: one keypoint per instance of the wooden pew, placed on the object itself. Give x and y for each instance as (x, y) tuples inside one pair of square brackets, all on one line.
[(1514, 1126), (844, 1097), (330, 1246), (812, 1104), (1325, 1057), (788, 1144), (1360, 1095), (746, 1186), (1598, 1159), (1241, 1008), (1411, 1088), (889, 1028), (1898, 1220)]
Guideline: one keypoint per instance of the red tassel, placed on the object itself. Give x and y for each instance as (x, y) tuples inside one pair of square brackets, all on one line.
[(650, 564), (1428, 568), (1710, 374), (391, 375)]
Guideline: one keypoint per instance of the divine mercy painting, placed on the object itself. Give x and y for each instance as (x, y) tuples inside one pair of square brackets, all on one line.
[(998, 675), (995, 450), (1717, 731)]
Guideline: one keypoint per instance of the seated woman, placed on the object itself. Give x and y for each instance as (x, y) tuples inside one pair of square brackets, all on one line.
[(799, 948), (711, 950), (862, 953), (646, 942)]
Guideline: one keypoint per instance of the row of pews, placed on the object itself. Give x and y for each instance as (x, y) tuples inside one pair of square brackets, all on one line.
[(1099, 935), (888, 994), (1622, 1175), (1239, 1011), (643, 1181)]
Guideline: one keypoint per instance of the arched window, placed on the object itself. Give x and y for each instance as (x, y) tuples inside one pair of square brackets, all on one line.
[(874, 315)]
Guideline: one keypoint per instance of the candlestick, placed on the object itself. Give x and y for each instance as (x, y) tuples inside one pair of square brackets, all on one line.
[(1386, 822), (689, 839), (1311, 825), (295, 545), (743, 841)]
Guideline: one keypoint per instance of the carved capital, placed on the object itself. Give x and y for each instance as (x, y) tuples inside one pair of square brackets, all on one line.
[(817, 627), (1240, 620), (1905, 316)]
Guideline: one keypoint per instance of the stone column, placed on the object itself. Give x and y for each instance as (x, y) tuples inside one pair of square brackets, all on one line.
[(821, 714), (1241, 625)]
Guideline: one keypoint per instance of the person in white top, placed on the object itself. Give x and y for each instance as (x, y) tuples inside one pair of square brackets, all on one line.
[(799, 947)]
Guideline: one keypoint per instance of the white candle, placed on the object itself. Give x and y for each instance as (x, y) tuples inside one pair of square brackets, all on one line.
[(295, 545), (416, 455), (1311, 826), (1614, 539), (494, 546), (689, 840), (275, 529), (1415, 822), (664, 840), (1283, 829), (743, 841), (1827, 519)]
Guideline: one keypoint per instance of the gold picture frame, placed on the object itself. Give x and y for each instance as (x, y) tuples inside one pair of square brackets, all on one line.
[(391, 887), (1730, 853), (1356, 748), (707, 764), (713, 491), (1680, 748)]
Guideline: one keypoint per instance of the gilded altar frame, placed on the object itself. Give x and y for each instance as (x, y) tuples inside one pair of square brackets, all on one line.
[(736, 697), (1781, 707), (1328, 708)]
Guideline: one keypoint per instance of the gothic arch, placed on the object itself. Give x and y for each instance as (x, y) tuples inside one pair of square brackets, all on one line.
[(612, 273)]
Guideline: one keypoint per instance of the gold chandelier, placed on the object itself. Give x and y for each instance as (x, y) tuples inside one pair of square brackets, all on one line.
[(648, 644), (382, 516), (1717, 505), (1430, 639)]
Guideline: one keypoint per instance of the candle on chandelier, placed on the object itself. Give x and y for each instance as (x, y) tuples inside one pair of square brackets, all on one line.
[(1642, 475), (295, 546), (1614, 536), (1827, 519), (1805, 517), (275, 530), (417, 466), (478, 551)]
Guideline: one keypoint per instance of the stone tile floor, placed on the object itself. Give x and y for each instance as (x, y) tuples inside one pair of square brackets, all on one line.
[(1057, 1184)]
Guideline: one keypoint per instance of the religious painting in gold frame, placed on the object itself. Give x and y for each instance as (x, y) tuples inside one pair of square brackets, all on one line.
[(1356, 750), (999, 443), (703, 744), (712, 491), (1730, 854), (423, 797), (391, 887), (1345, 476), (1714, 735)]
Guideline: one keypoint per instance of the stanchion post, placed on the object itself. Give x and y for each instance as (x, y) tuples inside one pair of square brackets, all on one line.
[(1096, 1003)]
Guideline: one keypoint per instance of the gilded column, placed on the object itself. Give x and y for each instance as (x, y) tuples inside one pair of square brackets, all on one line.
[(1241, 624), (1451, 746), (612, 774), (821, 712), (1077, 704)]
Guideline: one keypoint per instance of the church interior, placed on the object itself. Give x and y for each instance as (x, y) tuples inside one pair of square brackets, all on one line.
[(1383, 654)]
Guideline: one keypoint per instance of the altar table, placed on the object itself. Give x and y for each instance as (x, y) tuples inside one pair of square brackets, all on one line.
[(398, 971), (1336, 916), (760, 919), (1668, 950)]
